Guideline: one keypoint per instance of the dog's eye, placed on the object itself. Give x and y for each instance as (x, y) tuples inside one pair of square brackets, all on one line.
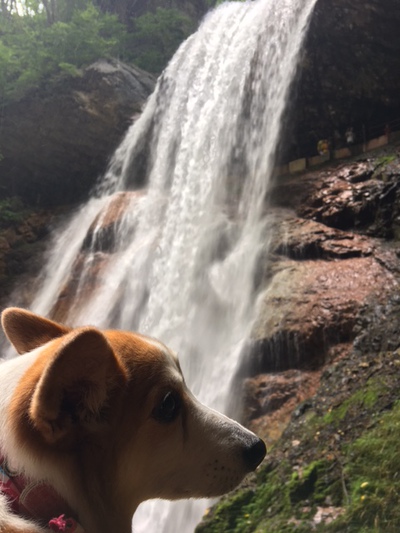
[(168, 409)]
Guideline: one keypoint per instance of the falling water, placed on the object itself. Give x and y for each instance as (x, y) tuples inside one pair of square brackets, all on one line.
[(184, 253)]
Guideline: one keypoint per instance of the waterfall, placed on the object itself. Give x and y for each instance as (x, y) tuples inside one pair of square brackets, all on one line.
[(181, 263)]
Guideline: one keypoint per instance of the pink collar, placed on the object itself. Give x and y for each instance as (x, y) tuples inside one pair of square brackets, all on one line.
[(35, 499)]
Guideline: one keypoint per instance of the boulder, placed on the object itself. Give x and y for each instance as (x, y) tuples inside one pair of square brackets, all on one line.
[(310, 306), (101, 236), (57, 140)]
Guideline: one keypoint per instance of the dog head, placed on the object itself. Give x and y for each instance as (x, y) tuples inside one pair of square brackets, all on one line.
[(111, 407)]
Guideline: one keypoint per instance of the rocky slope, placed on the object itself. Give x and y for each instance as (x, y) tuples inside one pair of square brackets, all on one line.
[(321, 378), (24, 233)]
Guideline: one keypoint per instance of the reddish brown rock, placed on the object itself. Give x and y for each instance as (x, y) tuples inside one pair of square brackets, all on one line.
[(270, 400), (98, 246), (102, 232), (300, 238), (21, 244), (78, 287), (310, 306)]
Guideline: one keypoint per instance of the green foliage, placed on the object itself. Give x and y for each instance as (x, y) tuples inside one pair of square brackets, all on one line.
[(31, 50), (156, 36), (218, 2), (12, 211), (43, 39), (385, 160)]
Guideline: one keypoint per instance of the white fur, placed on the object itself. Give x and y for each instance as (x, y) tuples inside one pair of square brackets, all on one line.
[(11, 371)]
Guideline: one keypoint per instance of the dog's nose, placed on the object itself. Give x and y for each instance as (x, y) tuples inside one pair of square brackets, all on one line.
[(254, 454)]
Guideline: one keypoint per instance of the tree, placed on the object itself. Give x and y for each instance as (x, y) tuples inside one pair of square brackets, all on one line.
[(156, 36), (40, 39), (51, 10), (33, 49), (7, 7)]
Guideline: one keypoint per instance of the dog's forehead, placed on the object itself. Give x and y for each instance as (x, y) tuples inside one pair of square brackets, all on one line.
[(137, 349)]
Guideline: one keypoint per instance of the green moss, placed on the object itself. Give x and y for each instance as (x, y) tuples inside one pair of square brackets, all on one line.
[(364, 398), (313, 483), (385, 160), (360, 477), (373, 473), (381, 164), (283, 502), (229, 514)]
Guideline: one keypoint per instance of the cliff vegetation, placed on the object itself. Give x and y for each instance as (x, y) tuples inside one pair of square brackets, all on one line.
[(42, 40)]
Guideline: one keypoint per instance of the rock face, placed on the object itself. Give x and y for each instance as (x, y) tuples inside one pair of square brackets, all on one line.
[(329, 261), (56, 143), (349, 76)]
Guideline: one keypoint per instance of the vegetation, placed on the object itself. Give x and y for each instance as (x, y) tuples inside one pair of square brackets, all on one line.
[(12, 211), (345, 466), (156, 36), (43, 39), (374, 471), (31, 50)]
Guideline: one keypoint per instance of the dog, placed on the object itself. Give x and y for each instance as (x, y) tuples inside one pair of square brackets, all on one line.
[(93, 422)]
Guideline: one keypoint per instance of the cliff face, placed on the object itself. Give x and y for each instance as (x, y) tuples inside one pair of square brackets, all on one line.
[(349, 75), (56, 141)]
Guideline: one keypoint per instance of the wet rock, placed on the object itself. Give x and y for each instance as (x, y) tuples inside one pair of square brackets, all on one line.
[(349, 198), (362, 196), (101, 236), (21, 246), (327, 291), (309, 306), (97, 249), (270, 399), (84, 279), (300, 238)]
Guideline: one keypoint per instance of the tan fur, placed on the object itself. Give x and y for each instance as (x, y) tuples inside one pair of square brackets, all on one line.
[(85, 417)]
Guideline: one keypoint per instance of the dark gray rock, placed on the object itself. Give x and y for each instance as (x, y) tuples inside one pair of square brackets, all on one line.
[(349, 75), (56, 141)]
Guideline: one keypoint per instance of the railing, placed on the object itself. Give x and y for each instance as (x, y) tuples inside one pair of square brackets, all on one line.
[(384, 133)]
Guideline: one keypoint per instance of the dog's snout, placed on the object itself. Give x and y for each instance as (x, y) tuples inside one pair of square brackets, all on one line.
[(254, 454)]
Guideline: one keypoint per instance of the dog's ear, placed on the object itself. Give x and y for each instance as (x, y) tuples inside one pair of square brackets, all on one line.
[(27, 331), (73, 391)]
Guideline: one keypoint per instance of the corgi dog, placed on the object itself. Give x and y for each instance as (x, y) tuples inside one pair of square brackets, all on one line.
[(93, 422)]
